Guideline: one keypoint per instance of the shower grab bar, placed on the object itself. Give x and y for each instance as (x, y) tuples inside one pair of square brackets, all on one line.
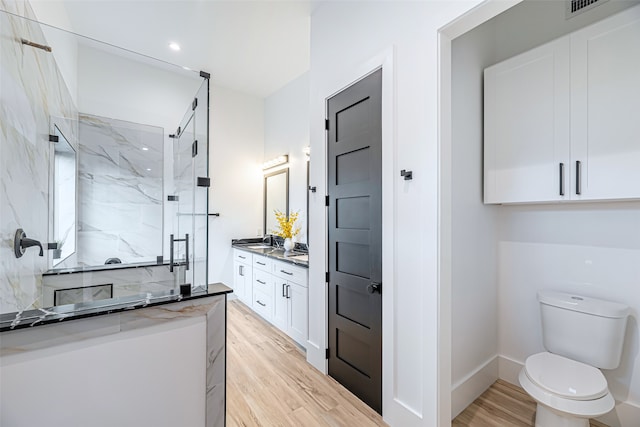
[(172, 240)]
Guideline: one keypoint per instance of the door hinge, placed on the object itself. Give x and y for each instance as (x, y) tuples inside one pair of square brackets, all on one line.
[(326, 124), (194, 148), (326, 277), (326, 200), (326, 354), (53, 138), (203, 181)]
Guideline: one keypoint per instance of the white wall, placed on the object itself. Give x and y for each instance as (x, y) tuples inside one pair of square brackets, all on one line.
[(348, 40), (474, 282), (125, 88), (74, 384), (588, 248), (286, 131), (64, 44), (235, 166)]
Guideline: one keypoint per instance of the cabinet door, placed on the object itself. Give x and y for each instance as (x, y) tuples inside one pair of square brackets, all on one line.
[(281, 309), (526, 133), (605, 129), (298, 318), (241, 280)]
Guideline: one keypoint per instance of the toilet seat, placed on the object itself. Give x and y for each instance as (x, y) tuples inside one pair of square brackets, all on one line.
[(565, 377), (541, 390)]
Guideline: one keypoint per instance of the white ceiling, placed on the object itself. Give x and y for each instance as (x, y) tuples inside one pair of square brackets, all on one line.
[(252, 46)]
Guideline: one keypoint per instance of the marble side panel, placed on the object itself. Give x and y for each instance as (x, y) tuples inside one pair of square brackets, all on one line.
[(19, 343), (46, 336), (169, 312), (216, 364), (32, 92)]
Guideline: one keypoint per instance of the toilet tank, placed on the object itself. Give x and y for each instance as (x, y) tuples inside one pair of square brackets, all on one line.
[(585, 329)]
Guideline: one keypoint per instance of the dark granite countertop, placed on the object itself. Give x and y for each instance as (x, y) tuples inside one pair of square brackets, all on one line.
[(291, 257), (37, 317)]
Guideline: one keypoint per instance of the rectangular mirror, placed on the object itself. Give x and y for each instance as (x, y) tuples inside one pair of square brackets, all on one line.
[(64, 197), (276, 197)]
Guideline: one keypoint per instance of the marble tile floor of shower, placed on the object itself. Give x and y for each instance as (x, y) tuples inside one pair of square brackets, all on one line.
[(503, 404)]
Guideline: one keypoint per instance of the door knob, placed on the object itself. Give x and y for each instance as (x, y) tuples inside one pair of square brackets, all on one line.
[(374, 287)]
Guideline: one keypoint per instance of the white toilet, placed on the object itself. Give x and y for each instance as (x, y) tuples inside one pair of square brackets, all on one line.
[(581, 335)]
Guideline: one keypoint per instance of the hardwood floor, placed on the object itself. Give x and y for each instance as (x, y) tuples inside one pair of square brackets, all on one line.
[(269, 382), (503, 404)]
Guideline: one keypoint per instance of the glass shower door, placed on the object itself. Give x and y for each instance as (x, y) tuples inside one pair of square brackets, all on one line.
[(188, 243)]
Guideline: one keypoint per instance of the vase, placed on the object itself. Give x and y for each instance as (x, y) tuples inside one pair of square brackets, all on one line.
[(288, 244)]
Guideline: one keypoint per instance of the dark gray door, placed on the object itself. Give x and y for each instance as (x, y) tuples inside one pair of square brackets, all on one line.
[(355, 238)]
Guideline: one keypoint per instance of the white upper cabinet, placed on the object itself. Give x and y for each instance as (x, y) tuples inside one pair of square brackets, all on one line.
[(562, 120), (526, 131), (605, 114)]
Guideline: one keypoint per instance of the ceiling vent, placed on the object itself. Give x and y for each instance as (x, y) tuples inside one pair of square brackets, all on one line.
[(575, 7)]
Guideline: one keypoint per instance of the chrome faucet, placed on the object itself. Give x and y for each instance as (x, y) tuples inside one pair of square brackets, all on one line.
[(21, 242)]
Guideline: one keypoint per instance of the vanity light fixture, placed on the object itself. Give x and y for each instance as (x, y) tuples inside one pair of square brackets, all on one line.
[(174, 46), (278, 161)]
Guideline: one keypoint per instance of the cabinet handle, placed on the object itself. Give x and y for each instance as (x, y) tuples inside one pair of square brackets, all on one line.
[(283, 286), (286, 272), (562, 179), (261, 263), (288, 287), (241, 270), (260, 281), (258, 301), (578, 177), (243, 257)]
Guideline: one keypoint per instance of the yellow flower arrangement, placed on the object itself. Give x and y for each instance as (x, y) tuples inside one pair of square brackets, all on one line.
[(286, 225)]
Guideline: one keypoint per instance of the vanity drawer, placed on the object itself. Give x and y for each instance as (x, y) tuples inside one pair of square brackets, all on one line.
[(263, 303), (291, 272), (263, 281), (262, 263), (242, 256)]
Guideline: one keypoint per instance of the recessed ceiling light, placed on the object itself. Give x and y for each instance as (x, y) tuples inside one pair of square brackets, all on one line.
[(145, 149), (174, 46), (148, 169)]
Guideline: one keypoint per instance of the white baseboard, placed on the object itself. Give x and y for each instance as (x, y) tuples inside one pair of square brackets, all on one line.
[(625, 414), (508, 370), (465, 391)]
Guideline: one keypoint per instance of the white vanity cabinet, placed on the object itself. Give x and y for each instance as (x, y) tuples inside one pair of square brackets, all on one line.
[(276, 290), (561, 119), (242, 275), (292, 302)]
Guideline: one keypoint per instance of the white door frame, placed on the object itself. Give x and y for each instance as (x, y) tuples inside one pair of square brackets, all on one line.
[(318, 331), (463, 24)]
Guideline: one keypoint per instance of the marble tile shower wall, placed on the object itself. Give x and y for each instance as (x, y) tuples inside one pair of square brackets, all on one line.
[(32, 91), (119, 191)]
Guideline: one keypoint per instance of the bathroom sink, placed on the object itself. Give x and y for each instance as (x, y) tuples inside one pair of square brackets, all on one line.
[(304, 257), (259, 247)]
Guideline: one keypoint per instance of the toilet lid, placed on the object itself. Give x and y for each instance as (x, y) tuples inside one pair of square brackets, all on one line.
[(566, 377)]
